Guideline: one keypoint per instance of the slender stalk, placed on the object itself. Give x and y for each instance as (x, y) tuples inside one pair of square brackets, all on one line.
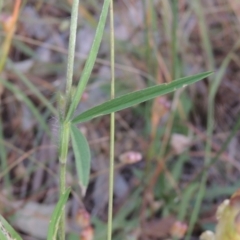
[(9, 28), (71, 47), (1, 5), (174, 39), (3, 155), (64, 141), (112, 127), (197, 6), (65, 125), (177, 94)]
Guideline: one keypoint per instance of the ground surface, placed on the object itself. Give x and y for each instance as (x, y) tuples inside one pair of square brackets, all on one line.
[(155, 43)]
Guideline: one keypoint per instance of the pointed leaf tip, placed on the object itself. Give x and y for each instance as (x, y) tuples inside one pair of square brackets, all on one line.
[(131, 99)]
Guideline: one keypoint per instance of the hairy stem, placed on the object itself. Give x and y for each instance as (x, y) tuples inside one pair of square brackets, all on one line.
[(65, 125), (63, 152), (71, 47)]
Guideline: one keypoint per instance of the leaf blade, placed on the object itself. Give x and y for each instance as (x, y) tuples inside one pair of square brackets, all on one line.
[(137, 97), (82, 155), (54, 222), (5, 229), (90, 61)]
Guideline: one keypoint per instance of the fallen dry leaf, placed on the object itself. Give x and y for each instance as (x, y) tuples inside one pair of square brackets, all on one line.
[(178, 229), (180, 142), (159, 228), (33, 218), (130, 157)]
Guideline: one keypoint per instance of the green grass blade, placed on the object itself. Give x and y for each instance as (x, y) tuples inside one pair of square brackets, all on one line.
[(210, 127), (197, 205), (137, 97), (2, 236), (197, 6), (221, 72), (90, 61), (224, 146), (3, 157), (186, 201), (20, 95), (82, 155), (7, 232), (55, 219)]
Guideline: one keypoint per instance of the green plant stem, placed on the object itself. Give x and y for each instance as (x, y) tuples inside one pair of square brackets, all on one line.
[(112, 127), (65, 125), (10, 30), (169, 125), (174, 39), (1, 5), (208, 161), (90, 61), (71, 48), (197, 6), (213, 92), (63, 152), (3, 155), (62, 190)]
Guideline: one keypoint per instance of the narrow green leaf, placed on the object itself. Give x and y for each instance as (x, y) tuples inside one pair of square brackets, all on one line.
[(91, 59), (131, 99), (3, 156), (185, 201), (55, 219), (2, 236), (82, 155), (7, 232)]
